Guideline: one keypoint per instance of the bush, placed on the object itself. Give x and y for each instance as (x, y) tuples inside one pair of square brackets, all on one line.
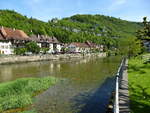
[(19, 93), (44, 50), (32, 47), (20, 51)]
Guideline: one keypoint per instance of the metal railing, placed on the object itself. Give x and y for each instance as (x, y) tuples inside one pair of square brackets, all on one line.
[(118, 78)]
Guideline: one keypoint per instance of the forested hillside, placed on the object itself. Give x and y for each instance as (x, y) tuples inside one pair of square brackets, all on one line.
[(79, 28)]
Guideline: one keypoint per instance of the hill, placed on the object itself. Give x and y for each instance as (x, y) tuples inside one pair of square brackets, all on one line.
[(96, 28)]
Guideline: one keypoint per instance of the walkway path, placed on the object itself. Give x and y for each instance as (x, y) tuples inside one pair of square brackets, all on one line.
[(124, 93)]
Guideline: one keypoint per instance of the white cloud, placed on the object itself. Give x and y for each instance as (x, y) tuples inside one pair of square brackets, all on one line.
[(35, 1), (119, 2), (116, 4)]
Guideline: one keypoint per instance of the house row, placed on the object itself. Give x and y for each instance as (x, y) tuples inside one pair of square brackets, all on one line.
[(87, 47), (13, 38)]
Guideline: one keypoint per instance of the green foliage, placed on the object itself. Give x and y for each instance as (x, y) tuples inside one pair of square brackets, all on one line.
[(144, 33), (30, 111), (19, 93), (32, 47), (44, 50), (130, 46), (78, 28), (13, 19), (20, 51), (139, 89)]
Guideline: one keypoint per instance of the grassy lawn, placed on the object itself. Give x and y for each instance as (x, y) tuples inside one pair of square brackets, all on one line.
[(139, 84), (20, 93)]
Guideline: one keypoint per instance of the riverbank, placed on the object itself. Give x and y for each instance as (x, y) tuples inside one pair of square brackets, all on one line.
[(139, 90), (19, 93), (33, 58)]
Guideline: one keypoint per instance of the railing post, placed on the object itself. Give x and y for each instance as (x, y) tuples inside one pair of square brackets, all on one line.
[(117, 94), (118, 76)]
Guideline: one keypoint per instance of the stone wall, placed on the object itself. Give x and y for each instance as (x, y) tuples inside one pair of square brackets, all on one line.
[(18, 59)]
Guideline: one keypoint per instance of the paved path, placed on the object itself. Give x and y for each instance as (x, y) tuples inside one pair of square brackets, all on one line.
[(124, 93)]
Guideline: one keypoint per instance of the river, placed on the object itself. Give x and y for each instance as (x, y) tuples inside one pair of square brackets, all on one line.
[(85, 86)]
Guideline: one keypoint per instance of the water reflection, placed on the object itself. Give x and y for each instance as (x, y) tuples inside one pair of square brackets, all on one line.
[(82, 79)]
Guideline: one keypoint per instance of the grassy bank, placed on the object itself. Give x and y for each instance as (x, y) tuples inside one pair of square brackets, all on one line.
[(20, 93), (139, 84)]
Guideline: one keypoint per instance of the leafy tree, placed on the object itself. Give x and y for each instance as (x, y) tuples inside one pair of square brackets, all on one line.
[(144, 33), (20, 51), (130, 46), (99, 29), (32, 47), (44, 50)]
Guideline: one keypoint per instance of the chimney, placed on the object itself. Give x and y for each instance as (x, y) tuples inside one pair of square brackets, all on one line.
[(38, 36)]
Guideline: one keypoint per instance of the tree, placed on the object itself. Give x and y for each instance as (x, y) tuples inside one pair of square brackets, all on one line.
[(144, 33), (20, 51), (44, 50), (130, 46), (32, 47)]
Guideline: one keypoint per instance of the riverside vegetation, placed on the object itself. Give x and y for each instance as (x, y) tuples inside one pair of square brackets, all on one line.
[(109, 31), (139, 75), (139, 89), (20, 93)]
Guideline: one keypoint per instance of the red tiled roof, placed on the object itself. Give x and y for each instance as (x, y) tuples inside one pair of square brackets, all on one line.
[(1, 37), (54, 39), (42, 38), (9, 33), (78, 44), (92, 45)]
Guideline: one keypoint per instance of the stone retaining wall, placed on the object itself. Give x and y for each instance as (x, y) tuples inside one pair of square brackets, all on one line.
[(18, 59)]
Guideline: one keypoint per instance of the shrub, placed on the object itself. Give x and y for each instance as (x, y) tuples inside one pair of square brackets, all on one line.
[(19, 93), (32, 47), (20, 51)]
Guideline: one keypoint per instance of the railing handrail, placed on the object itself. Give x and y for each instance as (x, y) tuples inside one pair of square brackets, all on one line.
[(118, 75)]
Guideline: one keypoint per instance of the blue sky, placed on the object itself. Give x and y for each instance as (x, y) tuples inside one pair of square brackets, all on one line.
[(133, 10)]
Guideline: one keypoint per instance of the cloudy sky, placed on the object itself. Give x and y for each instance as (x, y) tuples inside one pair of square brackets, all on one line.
[(133, 10)]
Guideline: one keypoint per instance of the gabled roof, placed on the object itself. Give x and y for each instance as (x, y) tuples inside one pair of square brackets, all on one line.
[(91, 44), (54, 40), (34, 38), (1, 37), (78, 44), (42, 38), (9, 33)]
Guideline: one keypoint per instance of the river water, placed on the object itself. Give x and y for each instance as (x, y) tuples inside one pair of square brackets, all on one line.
[(85, 86)]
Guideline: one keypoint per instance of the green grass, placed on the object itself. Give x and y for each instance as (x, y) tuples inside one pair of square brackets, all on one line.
[(139, 84), (20, 93), (30, 111)]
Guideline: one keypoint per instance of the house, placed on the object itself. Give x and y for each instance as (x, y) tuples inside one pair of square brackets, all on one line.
[(56, 45), (10, 39), (47, 42), (93, 46), (5, 46), (146, 43), (76, 47)]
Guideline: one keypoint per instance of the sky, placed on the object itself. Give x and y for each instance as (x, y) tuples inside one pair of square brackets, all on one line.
[(132, 10)]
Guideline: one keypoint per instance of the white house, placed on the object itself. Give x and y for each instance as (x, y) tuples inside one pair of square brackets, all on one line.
[(47, 42), (77, 47), (6, 48), (56, 45), (11, 38)]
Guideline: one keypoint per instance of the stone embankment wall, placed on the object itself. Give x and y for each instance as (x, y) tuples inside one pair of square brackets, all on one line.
[(18, 59)]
